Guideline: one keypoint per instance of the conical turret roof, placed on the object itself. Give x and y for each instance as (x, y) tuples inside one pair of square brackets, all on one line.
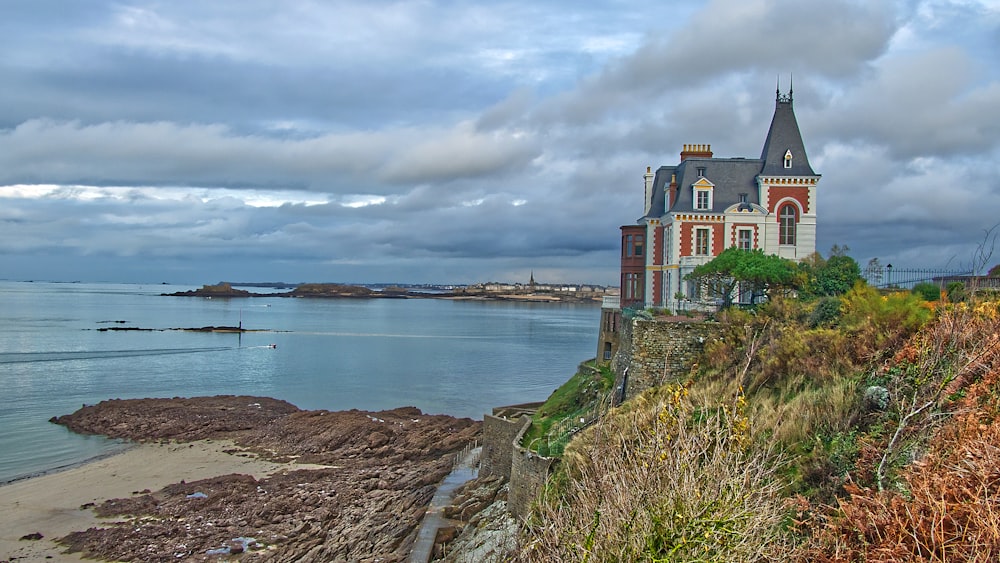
[(784, 139)]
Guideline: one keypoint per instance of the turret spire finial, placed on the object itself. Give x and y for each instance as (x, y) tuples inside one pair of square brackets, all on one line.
[(783, 98)]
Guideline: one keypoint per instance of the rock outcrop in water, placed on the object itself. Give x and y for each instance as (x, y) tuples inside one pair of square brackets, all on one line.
[(382, 470), (221, 289)]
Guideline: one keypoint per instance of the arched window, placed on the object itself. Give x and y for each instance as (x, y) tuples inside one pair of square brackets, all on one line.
[(786, 224), (788, 158)]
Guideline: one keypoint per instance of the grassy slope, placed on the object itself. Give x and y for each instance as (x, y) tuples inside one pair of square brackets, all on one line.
[(841, 402), (581, 398)]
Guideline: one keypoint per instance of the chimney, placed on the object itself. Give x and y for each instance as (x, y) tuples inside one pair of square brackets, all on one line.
[(648, 181), (672, 191), (696, 151)]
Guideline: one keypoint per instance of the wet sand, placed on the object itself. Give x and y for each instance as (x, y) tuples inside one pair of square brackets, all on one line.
[(50, 504)]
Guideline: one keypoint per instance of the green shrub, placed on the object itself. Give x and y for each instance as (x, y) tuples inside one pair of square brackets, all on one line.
[(956, 291), (927, 291), (878, 323), (836, 276), (826, 312)]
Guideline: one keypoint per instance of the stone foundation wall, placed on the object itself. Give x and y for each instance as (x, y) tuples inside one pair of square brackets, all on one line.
[(525, 471), (528, 474), (498, 443), (656, 352), (623, 357)]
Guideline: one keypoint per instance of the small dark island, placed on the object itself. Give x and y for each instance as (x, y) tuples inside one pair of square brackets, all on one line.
[(221, 289)]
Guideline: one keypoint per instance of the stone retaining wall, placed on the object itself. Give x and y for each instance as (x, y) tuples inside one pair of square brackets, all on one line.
[(525, 471), (656, 352), (528, 474), (498, 443)]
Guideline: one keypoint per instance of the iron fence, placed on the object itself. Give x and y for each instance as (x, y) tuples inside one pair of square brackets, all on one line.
[(878, 275)]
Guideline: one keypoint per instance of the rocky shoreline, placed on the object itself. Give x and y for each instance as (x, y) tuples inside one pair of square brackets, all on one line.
[(374, 475)]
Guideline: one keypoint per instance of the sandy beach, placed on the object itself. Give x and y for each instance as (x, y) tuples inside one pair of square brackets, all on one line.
[(51, 504)]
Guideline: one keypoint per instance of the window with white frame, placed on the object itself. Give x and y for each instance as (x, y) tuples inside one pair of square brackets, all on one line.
[(787, 217), (701, 242), (667, 234), (788, 158), (632, 287), (703, 199), (744, 239)]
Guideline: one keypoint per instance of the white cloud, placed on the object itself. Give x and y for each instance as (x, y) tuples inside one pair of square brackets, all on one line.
[(252, 198)]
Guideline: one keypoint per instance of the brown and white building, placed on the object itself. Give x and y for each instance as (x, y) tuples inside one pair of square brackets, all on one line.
[(703, 205)]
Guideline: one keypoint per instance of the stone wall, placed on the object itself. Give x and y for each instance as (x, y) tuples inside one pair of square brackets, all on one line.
[(623, 357), (654, 352), (528, 474), (498, 443), (607, 337), (525, 471)]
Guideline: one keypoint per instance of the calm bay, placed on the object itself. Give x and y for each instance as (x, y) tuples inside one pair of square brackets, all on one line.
[(442, 356)]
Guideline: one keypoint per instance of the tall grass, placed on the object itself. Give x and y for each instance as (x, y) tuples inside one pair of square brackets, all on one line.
[(664, 479)]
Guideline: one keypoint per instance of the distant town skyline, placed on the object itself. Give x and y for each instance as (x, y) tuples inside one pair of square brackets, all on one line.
[(442, 142)]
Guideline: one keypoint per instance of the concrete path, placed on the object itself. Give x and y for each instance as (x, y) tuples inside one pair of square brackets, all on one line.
[(465, 471)]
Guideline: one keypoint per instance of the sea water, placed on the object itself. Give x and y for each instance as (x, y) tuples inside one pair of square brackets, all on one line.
[(443, 356)]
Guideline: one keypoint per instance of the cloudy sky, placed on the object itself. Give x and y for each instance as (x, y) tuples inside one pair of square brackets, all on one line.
[(448, 141)]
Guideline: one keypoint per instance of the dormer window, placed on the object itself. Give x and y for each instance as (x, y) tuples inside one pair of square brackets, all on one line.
[(788, 158), (701, 171), (702, 201), (702, 195), (743, 198)]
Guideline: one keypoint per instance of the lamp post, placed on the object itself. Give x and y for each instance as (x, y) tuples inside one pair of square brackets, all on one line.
[(888, 275)]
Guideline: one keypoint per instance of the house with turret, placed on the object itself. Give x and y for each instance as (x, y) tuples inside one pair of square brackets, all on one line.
[(695, 209)]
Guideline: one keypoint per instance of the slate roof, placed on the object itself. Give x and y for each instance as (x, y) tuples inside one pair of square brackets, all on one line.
[(734, 176), (782, 136)]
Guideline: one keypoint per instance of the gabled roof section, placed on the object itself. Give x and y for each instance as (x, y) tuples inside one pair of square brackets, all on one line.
[(784, 136), (729, 176)]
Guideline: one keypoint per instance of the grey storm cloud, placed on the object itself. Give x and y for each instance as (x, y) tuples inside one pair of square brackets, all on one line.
[(948, 112), (459, 142), (819, 39)]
